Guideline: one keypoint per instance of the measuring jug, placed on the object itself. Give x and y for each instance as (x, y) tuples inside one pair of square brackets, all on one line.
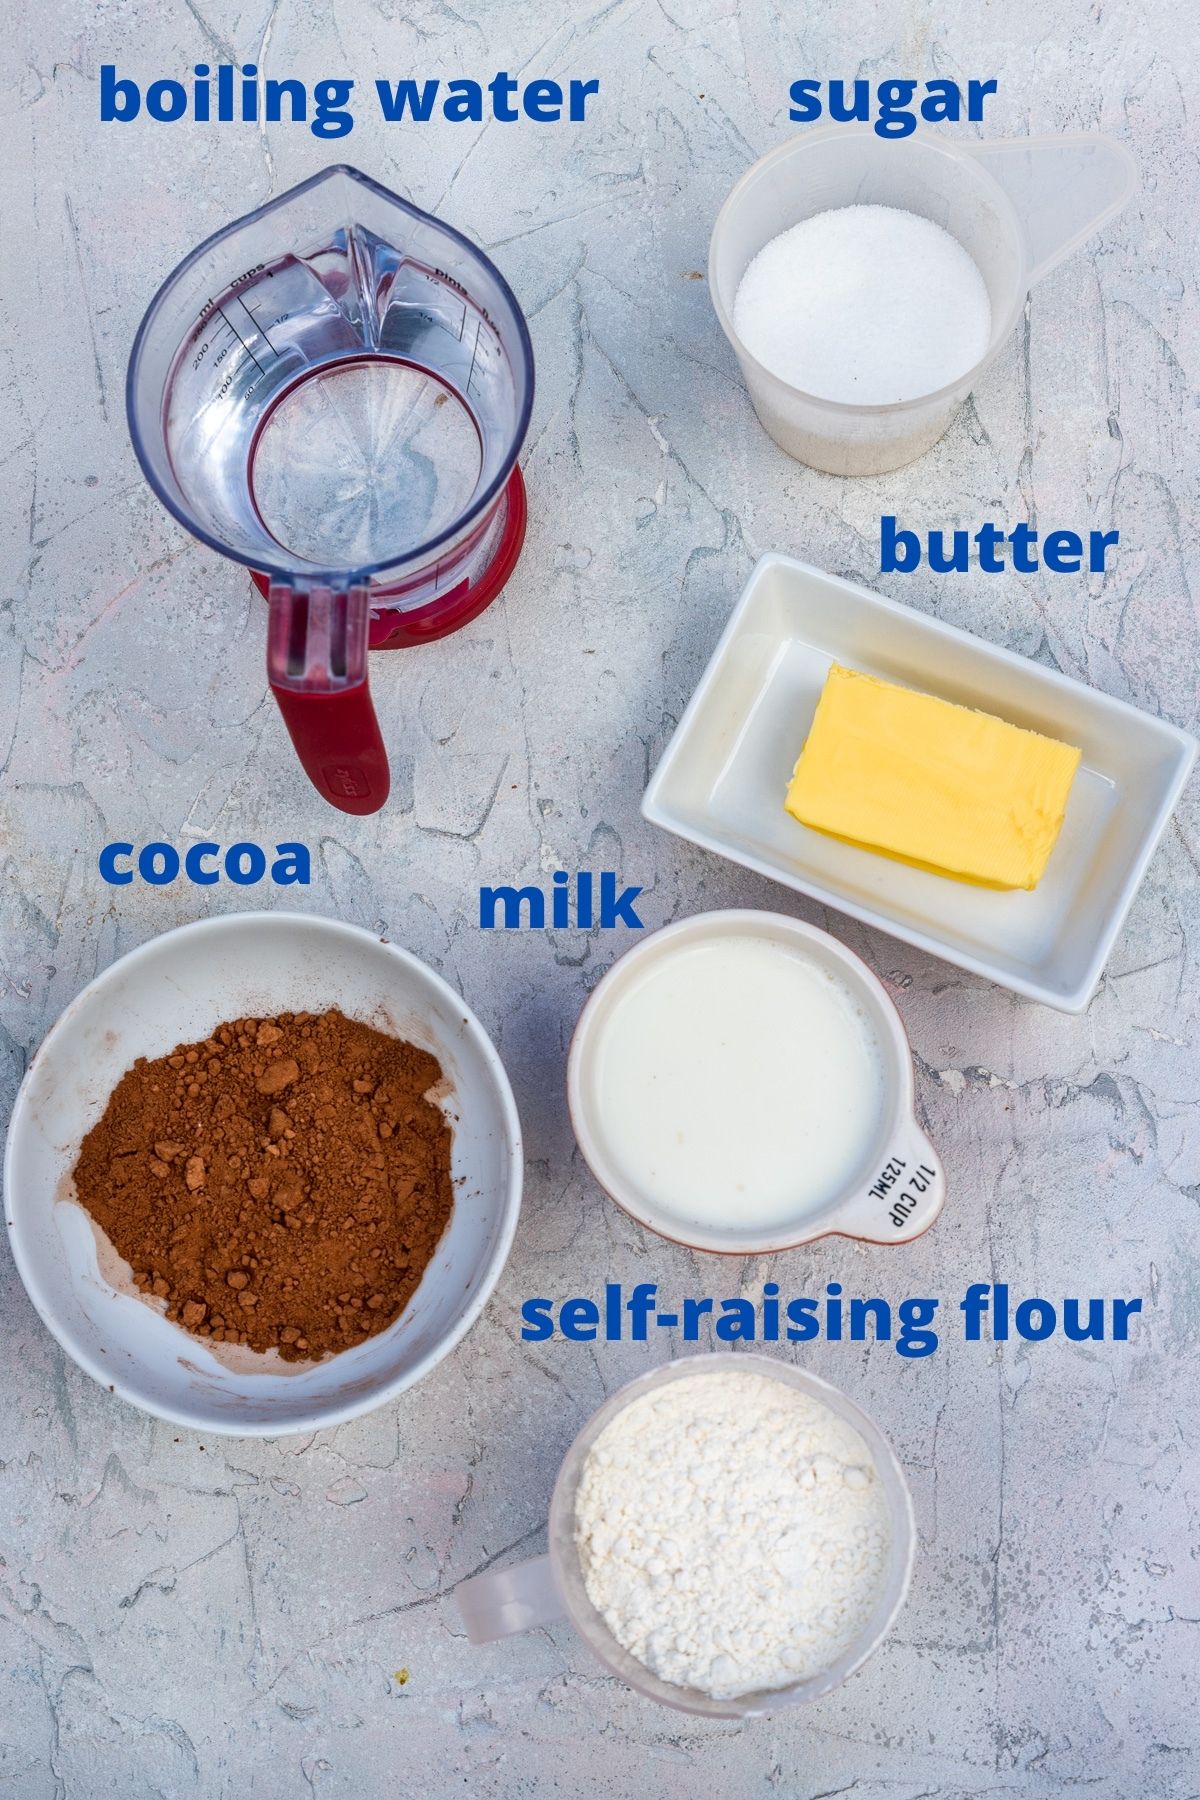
[(502, 1602), (1017, 206), (334, 391)]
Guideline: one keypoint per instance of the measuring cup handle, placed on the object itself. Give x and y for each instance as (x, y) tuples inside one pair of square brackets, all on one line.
[(504, 1601), (905, 1195), (317, 668), (337, 738), (1063, 188)]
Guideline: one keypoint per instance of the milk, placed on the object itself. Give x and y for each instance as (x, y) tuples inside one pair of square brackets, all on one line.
[(738, 1083)]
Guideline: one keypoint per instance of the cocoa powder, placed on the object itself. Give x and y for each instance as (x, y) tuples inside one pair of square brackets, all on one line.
[(282, 1185)]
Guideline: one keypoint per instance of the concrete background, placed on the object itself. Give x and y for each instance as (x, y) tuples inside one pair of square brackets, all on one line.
[(186, 1617)]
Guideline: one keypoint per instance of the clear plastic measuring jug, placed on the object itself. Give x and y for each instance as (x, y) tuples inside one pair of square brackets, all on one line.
[(334, 391), (503, 1602), (1019, 206)]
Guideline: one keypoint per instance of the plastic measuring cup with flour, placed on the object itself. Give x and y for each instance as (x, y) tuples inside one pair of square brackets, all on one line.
[(334, 391), (526, 1596), (1017, 207)]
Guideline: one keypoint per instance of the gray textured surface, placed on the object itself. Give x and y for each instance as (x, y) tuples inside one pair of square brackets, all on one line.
[(202, 1618)]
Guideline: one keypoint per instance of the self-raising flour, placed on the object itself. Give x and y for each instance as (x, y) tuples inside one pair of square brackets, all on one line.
[(733, 1532), (867, 304)]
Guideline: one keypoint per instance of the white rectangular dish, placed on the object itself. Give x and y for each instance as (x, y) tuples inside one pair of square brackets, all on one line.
[(722, 780)]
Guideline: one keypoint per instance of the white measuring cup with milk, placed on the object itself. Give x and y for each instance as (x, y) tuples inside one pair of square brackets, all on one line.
[(741, 1082), (1018, 207)]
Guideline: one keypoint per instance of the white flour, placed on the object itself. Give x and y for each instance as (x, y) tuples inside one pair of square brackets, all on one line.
[(868, 304), (732, 1532)]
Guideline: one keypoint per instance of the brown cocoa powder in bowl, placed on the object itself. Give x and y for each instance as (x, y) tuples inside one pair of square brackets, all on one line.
[(282, 1185)]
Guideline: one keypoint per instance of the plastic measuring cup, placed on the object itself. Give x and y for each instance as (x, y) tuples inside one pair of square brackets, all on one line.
[(1018, 206), (502, 1602), (334, 391)]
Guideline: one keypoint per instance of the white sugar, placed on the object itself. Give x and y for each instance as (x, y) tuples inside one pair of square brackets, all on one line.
[(864, 303)]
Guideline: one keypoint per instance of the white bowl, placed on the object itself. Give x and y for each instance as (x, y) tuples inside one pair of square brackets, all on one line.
[(176, 989), (723, 776)]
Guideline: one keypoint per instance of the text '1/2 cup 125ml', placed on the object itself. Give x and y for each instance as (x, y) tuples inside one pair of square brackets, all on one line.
[(1016, 207)]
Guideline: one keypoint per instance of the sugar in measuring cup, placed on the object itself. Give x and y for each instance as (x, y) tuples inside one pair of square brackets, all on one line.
[(503, 1602), (334, 391), (1017, 207)]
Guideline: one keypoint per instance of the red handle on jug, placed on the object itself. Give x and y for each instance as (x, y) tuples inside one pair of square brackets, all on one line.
[(317, 667)]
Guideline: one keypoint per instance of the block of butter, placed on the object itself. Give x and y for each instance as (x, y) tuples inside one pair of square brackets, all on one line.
[(931, 783)]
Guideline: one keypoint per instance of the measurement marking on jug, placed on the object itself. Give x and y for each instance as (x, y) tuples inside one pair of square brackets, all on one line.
[(256, 325), (474, 354), (241, 340), (445, 275)]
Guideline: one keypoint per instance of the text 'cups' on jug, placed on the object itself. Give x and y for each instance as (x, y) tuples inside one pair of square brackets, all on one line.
[(334, 391), (1016, 208)]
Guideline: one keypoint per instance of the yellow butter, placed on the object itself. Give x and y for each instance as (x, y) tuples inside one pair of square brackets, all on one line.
[(931, 783)]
